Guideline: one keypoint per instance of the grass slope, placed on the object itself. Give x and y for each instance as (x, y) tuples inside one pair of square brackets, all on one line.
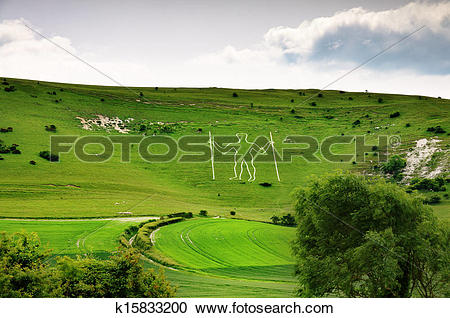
[(111, 187)]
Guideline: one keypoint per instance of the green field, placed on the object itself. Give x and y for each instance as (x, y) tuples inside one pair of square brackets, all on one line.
[(73, 237), (214, 257), (230, 248)]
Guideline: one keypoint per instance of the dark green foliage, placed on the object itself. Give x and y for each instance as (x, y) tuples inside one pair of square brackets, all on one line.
[(102, 99), (437, 130), (141, 94), (292, 111), (25, 273), (393, 115), (432, 199), (437, 184), (356, 122), (235, 94), (350, 98), (292, 100), (49, 156), (275, 219), (374, 148), (186, 215), (288, 220), (142, 240), (394, 166), (232, 212), (408, 125), (265, 184), (313, 104), (360, 237), (203, 213), (320, 95), (51, 128), (329, 117), (380, 100), (10, 89), (16, 152)]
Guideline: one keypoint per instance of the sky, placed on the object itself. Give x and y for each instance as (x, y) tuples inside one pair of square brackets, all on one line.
[(238, 44)]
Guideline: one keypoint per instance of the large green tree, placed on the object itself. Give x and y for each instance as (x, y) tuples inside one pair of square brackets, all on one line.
[(363, 237)]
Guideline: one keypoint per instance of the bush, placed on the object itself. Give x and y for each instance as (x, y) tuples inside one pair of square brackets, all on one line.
[(203, 213), (186, 215), (32, 162), (275, 219), (265, 184), (436, 184), (49, 156), (437, 130), (292, 111), (313, 104), (393, 115), (235, 94), (394, 165), (16, 152), (380, 100), (408, 125), (350, 98), (233, 213), (102, 99), (356, 122), (141, 94), (10, 89), (433, 199), (320, 95), (50, 128)]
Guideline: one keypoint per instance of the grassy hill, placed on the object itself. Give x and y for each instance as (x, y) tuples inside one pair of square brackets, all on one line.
[(206, 259), (76, 189)]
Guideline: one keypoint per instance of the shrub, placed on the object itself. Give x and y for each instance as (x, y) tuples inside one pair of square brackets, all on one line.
[(203, 213), (288, 220), (32, 162), (436, 184), (380, 100), (275, 219), (292, 111), (49, 156), (433, 199), (374, 148), (50, 128), (356, 122), (292, 100), (329, 117), (10, 89), (235, 94), (102, 99), (313, 104), (156, 88), (265, 184), (394, 165), (408, 125), (232, 212), (141, 94), (16, 152), (186, 215), (393, 115), (341, 92), (437, 130), (350, 98), (320, 95)]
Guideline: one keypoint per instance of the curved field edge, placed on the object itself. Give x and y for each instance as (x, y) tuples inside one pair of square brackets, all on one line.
[(229, 248)]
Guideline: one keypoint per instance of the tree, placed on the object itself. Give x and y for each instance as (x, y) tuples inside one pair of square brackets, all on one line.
[(24, 272), (360, 237), (120, 276)]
